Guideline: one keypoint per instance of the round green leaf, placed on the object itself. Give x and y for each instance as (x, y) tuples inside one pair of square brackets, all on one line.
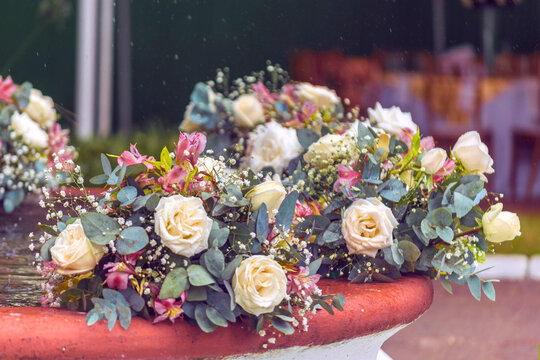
[(411, 252), (198, 276), (175, 283), (99, 228), (131, 240)]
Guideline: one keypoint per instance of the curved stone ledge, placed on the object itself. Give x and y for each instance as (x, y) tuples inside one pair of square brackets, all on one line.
[(371, 309)]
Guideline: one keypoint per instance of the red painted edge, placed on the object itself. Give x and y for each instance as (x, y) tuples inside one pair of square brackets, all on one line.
[(58, 333)]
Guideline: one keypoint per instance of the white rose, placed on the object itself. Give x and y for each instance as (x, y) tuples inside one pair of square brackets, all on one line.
[(392, 121), (248, 111), (210, 165), (73, 252), (330, 149), (367, 226), (473, 154), (500, 225), (41, 109), (271, 193), (259, 284), (29, 130), (182, 224), (274, 146), (433, 160), (322, 96)]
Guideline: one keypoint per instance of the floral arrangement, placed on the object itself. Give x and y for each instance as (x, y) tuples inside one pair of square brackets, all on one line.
[(182, 236), (218, 238), (33, 147)]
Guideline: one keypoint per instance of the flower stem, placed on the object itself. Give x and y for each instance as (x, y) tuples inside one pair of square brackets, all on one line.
[(471, 231)]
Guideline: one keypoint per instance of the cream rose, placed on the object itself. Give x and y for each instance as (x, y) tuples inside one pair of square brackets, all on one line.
[(433, 160), (500, 225), (259, 284), (473, 154), (182, 224), (41, 109), (248, 111), (271, 193), (367, 226), (322, 96), (73, 252), (30, 131), (330, 149), (391, 121), (272, 145)]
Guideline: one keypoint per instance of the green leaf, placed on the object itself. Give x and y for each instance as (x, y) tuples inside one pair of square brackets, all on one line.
[(314, 266), (282, 326), (131, 240), (135, 169), (306, 137), (218, 236), (124, 314), (152, 202), (166, 159), (392, 190), (470, 189), (446, 284), (286, 210), (175, 284), (99, 179), (140, 202), (489, 290), (215, 261), (445, 233), (92, 317), (111, 319), (427, 230), (13, 199), (22, 94), (214, 316), (99, 228), (440, 216), (48, 229), (416, 217), (45, 250), (202, 319), (121, 175), (228, 273), (197, 293), (198, 276), (462, 204), (475, 286), (411, 252), (332, 233), (261, 224), (365, 137), (106, 165), (127, 195)]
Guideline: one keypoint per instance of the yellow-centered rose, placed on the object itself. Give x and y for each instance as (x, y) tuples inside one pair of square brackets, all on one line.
[(259, 284), (73, 252), (182, 224), (271, 193), (500, 225), (367, 226)]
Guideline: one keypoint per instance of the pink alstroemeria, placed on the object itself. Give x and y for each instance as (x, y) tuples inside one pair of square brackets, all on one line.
[(7, 89), (143, 180), (174, 179), (347, 177), (169, 308), (302, 210), (289, 90), (301, 284), (263, 94), (189, 147), (117, 280), (118, 275), (133, 157), (58, 140), (447, 169), (426, 143)]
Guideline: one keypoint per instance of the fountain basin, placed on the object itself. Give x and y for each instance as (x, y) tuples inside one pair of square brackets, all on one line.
[(373, 313)]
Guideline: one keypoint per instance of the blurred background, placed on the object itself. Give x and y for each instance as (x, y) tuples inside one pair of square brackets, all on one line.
[(121, 71)]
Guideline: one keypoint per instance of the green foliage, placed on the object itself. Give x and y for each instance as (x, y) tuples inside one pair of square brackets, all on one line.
[(99, 228), (131, 240), (174, 284), (112, 307)]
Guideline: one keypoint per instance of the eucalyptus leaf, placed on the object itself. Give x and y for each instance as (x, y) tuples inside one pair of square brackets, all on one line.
[(199, 276), (475, 285), (286, 210), (174, 284), (99, 228), (202, 319), (131, 240)]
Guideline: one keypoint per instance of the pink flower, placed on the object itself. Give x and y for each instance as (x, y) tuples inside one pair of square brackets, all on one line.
[(189, 147), (263, 94), (173, 180), (133, 157), (7, 89), (347, 177), (117, 280), (169, 308), (446, 170), (426, 143), (302, 210), (301, 284), (143, 180), (58, 140)]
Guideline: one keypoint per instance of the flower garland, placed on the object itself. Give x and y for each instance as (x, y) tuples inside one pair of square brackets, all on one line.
[(33, 147), (214, 238)]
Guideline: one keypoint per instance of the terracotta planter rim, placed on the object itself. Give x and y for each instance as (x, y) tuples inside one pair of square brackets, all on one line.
[(56, 333)]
